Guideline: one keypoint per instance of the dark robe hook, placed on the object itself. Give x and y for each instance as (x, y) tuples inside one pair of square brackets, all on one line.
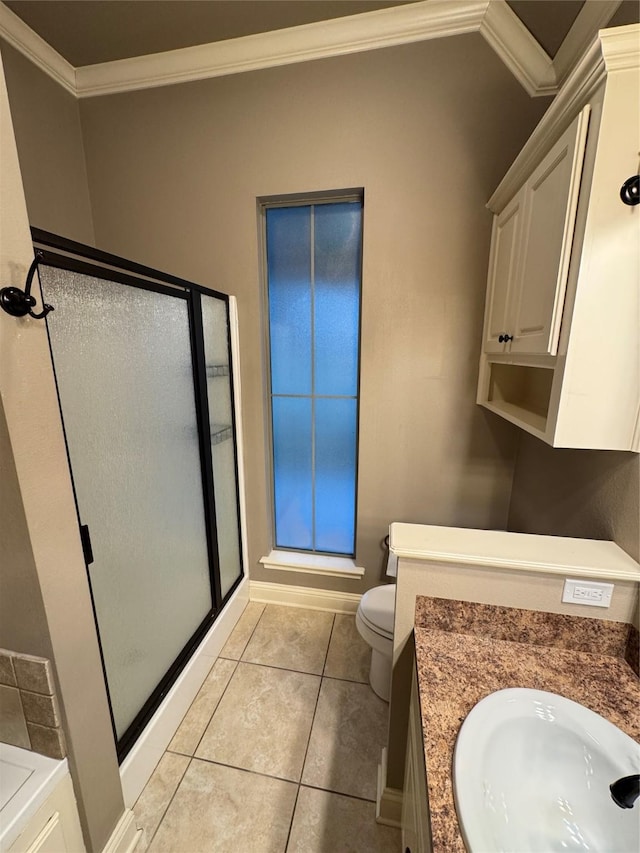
[(18, 302)]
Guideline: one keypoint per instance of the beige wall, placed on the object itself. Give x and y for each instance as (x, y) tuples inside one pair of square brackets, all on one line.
[(46, 122), (23, 622), (428, 130), (46, 606), (586, 493)]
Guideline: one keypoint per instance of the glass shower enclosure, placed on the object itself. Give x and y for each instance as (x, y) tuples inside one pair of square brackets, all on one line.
[(144, 374)]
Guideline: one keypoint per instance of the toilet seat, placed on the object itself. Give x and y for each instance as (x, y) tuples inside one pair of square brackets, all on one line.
[(377, 610)]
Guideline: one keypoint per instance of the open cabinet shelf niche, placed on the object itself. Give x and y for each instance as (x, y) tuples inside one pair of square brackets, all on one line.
[(521, 394)]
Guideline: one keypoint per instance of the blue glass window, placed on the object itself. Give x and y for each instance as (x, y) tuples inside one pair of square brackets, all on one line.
[(313, 280)]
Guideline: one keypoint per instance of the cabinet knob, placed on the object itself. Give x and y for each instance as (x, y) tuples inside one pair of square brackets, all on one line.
[(503, 339), (630, 191)]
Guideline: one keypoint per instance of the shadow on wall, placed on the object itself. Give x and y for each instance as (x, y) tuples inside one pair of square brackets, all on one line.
[(589, 494), (487, 453)]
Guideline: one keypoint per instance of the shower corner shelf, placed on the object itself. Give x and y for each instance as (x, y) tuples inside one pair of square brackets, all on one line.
[(220, 433), (217, 370)]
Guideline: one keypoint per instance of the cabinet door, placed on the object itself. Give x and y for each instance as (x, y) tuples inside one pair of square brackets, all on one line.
[(502, 272), (51, 839), (551, 201), (410, 837), (416, 829)]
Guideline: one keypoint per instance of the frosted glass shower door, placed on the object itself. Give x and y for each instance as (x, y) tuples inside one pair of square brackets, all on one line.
[(123, 361), (215, 326)]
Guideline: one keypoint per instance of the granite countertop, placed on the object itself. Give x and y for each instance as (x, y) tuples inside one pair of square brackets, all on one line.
[(464, 651)]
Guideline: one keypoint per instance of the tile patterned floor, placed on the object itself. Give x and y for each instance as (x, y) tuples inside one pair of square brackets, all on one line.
[(279, 751)]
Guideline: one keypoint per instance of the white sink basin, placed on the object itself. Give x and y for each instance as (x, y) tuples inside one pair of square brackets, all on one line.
[(531, 774)]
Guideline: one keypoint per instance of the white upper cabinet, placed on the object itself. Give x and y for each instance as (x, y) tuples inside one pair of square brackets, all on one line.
[(561, 344), (531, 247), (505, 240), (550, 204)]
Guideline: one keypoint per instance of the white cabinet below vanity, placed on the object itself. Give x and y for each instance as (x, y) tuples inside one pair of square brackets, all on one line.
[(38, 811), (561, 344), (416, 831)]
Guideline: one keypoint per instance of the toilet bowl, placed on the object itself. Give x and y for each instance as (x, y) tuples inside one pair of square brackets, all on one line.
[(374, 621)]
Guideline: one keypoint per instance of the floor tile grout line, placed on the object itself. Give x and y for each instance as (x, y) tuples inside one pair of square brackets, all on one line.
[(245, 769), (171, 798), (282, 668), (253, 630), (337, 793), (326, 656), (293, 814), (226, 687), (346, 680), (315, 709), (298, 671)]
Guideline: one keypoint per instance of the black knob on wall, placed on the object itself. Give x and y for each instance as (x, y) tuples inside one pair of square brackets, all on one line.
[(503, 339), (630, 191), (15, 301)]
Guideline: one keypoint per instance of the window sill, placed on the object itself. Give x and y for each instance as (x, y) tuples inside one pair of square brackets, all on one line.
[(314, 564)]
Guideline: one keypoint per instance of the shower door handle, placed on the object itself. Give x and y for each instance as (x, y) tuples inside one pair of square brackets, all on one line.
[(85, 538)]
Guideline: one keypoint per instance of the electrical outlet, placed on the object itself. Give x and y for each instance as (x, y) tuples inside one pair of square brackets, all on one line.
[(587, 592)]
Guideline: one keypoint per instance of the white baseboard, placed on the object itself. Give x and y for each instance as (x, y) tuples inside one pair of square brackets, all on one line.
[(138, 766), (388, 800), (125, 836), (300, 596)]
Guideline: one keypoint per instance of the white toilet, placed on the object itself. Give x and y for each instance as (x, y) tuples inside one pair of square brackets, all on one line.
[(374, 621)]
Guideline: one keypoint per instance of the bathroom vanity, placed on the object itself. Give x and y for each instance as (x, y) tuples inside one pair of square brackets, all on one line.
[(463, 652), (482, 610)]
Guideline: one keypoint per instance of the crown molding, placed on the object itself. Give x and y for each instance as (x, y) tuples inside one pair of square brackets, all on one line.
[(518, 49), (20, 36), (620, 48), (580, 85), (414, 22), (353, 34)]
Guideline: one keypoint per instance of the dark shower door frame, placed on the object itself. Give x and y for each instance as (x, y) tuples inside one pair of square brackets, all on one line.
[(65, 254)]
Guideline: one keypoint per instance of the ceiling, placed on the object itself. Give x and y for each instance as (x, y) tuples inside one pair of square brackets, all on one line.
[(86, 32), (547, 20)]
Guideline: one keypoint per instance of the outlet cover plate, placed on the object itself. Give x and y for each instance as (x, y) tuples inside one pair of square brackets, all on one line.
[(587, 592)]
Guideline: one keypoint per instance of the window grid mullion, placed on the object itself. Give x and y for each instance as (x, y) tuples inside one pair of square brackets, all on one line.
[(313, 381), (318, 396)]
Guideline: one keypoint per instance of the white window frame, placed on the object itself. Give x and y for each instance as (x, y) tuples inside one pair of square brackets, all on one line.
[(280, 559)]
